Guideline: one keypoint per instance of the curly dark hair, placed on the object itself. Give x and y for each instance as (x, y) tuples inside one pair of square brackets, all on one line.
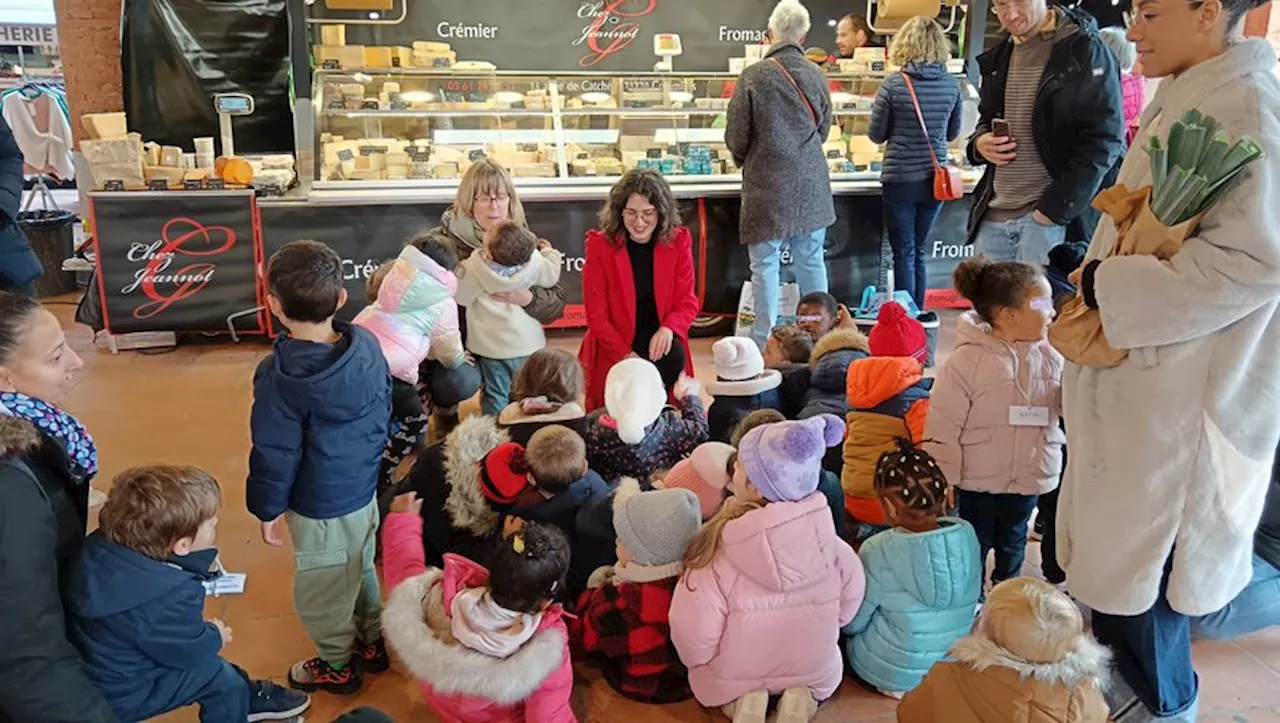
[(994, 285), (651, 185)]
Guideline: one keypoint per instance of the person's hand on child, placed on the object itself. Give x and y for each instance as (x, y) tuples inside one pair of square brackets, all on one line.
[(544, 245), (519, 297), (686, 386), (223, 630), (271, 532), (407, 503), (660, 344), (1076, 276)]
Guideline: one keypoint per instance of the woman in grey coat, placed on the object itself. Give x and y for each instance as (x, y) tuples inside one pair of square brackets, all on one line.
[(778, 119)]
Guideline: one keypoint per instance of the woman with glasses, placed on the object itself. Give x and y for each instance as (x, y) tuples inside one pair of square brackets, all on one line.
[(486, 197), (638, 284), (1171, 451)]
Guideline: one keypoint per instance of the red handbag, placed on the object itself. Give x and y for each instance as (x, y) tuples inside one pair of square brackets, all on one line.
[(947, 184)]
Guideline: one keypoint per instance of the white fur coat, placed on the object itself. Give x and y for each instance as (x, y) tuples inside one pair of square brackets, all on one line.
[(1170, 452)]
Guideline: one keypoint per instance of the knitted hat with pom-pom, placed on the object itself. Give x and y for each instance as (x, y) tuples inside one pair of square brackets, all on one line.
[(784, 460), (504, 473), (634, 397), (898, 335)]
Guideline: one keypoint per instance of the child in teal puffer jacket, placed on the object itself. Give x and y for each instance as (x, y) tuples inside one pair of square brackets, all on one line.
[(924, 577)]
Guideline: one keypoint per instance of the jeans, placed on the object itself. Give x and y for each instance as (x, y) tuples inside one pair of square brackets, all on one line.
[(1153, 654), (1019, 239), (447, 388), (909, 212), (223, 694), (1257, 607), (335, 582), (495, 380), (1001, 524), (808, 261)]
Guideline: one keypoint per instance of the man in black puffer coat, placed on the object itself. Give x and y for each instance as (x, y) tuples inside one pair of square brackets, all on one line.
[(19, 265)]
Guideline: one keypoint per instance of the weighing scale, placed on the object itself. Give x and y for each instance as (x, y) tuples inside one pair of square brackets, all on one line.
[(227, 105)]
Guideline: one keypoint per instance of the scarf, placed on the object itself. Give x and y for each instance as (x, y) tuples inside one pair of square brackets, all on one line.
[(465, 229), (486, 627), (57, 424)]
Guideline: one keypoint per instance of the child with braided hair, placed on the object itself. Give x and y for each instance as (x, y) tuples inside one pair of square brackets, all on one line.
[(487, 645), (924, 576)]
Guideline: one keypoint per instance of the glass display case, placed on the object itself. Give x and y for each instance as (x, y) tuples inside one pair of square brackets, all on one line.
[(419, 126)]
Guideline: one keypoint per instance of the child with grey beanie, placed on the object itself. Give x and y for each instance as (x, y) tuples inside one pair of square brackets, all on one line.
[(622, 620)]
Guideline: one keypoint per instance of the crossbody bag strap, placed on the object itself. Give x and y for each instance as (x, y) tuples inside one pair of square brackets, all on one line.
[(796, 85), (916, 102)]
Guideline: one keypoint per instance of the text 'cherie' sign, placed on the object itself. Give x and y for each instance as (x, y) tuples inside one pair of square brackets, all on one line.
[(14, 34)]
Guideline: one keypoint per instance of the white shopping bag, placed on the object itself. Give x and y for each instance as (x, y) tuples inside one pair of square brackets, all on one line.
[(788, 300)]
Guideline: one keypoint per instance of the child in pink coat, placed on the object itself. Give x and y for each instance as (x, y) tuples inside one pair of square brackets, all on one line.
[(487, 645), (993, 419), (768, 582)]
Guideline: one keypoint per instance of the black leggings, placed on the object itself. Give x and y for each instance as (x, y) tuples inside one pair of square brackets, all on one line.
[(409, 415), (670, 366)]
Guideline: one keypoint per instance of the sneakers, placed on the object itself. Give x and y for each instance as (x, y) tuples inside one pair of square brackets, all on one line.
[(315, 674), (269, 701), (796, 706), (750, 708), (372, 657)]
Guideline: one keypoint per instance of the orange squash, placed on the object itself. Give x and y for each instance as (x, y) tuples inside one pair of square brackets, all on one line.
[(235, 171)]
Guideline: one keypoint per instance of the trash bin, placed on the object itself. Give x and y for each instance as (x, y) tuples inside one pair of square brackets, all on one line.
[(52, 236)]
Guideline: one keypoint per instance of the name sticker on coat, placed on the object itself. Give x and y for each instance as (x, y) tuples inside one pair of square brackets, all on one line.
[(1028, 416)]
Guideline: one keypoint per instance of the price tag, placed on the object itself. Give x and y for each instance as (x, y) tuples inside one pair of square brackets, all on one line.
[(371, 150), (216, 184), (673, 150), (337, 105), (475, 154), (834, 154), (193, 185), (527, 147), (270, 189), (369, 105), (584, 157), (395, 60), (330, 64), (157, 184), (346, 155), (398, 102), (653, 153), (1028, 416), (113, 185)]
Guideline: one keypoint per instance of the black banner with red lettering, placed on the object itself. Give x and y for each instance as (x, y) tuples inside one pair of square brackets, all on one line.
[(177, 261)]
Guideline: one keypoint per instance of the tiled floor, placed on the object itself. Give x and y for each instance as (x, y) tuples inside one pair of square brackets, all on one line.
[(191, 406)]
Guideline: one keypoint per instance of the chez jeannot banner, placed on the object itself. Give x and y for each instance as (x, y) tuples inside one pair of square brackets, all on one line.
[(594, 35)]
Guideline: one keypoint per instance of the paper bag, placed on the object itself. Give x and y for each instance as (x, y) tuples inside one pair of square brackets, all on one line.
[(788, 300), (1077, 333)]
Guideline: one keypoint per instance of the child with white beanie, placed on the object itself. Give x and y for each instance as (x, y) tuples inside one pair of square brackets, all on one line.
[(742, 385), (622, 619), (636, 434)]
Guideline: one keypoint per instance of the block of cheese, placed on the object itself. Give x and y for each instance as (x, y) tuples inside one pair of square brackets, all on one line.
[(116, 159), (197, 174), (347, 57), (401, 57), (397, 173), (105, 125), (444, 170), (172, 176), (474, 65), (434, 60), (170, 156), (377, 56), (359, 175), (861, 144), (534, 170), (151, 154), (428, 46), (333, 34)]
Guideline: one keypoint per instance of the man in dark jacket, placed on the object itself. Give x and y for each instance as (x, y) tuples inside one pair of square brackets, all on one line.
[(1257, 607), (1057, 87), (43, 510), (19, 265), (777, 122)]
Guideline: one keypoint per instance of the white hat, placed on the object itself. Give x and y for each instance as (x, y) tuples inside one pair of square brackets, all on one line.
[(737, 359), (634, 397)]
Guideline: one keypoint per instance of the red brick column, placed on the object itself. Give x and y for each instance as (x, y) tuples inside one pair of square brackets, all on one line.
[(89, 42)]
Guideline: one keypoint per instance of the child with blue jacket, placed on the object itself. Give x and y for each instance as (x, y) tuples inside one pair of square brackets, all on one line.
[(320, 422), (137, 602), (924, 577)]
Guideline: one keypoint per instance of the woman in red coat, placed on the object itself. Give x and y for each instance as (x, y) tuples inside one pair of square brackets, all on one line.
[(638, 284)]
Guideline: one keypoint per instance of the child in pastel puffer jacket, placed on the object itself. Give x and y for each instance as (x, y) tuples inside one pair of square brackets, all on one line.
[(993, 419), (487, 645), (923, 576), (412, 313), (768, 584)]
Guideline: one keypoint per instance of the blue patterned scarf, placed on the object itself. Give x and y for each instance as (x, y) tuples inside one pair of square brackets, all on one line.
[(57, 424)]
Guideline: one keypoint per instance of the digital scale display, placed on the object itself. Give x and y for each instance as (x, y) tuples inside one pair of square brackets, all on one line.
[(233, 104)]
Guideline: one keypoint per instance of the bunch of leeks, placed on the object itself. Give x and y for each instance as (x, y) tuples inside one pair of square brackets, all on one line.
[(1195, 167)]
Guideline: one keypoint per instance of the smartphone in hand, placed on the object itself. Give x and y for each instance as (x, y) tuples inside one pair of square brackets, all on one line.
[(1000, 128)]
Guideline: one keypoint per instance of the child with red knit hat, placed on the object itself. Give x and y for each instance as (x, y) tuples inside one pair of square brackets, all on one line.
[(889, 399)]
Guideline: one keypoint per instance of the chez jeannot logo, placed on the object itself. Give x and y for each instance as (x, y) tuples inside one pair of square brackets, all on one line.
[(181, 240), (613, 27)]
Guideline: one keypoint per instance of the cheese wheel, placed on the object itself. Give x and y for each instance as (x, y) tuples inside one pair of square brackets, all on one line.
[(234, 170)]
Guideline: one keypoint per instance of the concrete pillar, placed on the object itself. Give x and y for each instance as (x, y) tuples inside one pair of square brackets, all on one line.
[(89, 43)]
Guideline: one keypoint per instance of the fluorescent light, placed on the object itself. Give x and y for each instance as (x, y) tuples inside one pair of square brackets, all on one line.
[(417, 96), (508, 96), (832, 23), (361, 78), (681, 96), (595, 97)]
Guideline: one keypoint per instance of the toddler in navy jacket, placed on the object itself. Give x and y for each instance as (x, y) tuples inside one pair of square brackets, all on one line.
[(137, 601)]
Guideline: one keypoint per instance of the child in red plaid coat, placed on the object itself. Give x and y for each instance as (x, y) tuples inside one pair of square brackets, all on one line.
[(623, 614)]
